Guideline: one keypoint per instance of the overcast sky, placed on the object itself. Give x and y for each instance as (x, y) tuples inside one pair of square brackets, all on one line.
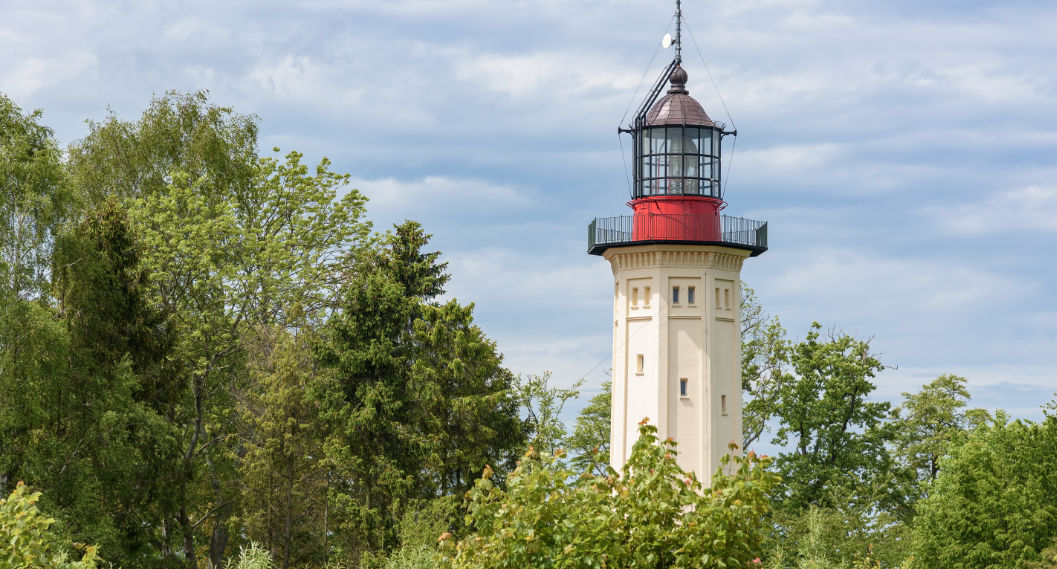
[(903, 152)]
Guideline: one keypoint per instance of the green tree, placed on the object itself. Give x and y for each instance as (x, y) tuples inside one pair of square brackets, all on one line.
[(233, 243), (415, 396), (994, 501), (836, 433), (543, 406), (34, 202), (652, 515), (88, 392), (120, 449), (927, 423), (467, 399), (283, 469), (34, 365), (589, 442), (765, 353)]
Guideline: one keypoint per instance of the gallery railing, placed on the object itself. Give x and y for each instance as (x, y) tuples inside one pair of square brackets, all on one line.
[(741, 233)]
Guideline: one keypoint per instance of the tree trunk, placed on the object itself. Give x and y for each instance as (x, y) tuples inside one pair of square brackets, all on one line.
[(189, 539)]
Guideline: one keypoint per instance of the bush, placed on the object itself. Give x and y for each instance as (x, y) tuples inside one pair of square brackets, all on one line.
[(27, 538), (651, 515)]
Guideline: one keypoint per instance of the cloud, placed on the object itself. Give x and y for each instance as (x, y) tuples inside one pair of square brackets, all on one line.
[(548, 72), (1026, 210), (440, 198), (31, 74)]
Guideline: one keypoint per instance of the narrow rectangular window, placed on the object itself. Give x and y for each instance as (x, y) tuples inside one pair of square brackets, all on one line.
[(683, 387), (723, 404), (718, 305), (675, 295), (646, 296), (689, 295), (635, 296), (726, 298), (639, 363)]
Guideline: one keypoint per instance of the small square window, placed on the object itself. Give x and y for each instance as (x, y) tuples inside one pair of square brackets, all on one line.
[(683, 387), (689, 295), (675, 295)]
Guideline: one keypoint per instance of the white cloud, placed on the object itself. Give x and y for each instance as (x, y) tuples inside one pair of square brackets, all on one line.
[(25, 77), (551, 72), (303, 79), (432, 196), (1031, 209)]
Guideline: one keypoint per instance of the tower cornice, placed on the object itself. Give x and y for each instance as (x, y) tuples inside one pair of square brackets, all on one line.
[(655, 256)]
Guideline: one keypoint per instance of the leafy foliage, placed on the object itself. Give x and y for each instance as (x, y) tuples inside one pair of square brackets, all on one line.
[(35, 201), (27, 537), (652, 515), (543, 405), (994, 502), (416, 399), (823, 413), (589, 441)]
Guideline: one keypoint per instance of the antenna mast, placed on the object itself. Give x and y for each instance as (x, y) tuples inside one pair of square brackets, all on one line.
[(678, 32)]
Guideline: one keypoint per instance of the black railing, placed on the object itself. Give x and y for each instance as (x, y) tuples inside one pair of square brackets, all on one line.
[(741, 233)]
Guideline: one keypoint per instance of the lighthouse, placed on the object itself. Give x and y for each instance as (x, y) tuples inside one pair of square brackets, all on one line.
[(676, 264)]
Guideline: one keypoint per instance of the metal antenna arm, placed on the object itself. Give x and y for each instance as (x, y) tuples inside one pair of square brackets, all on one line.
[(655, 92)]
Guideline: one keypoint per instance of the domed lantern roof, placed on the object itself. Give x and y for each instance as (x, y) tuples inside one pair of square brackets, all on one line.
[(677, 145), (678, 107)]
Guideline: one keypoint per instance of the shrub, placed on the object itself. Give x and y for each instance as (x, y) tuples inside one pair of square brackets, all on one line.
[(653, 514), (28, 540)]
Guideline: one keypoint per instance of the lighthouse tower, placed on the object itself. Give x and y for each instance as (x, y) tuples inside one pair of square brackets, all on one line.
[(676, 264)]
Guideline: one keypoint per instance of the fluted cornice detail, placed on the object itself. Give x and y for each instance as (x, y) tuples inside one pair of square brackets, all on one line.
[(655, 257)]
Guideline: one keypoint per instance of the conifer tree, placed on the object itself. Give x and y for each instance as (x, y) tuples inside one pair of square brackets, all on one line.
[(416, 401)]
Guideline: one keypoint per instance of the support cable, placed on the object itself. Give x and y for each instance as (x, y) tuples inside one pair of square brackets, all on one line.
[(730, 160)]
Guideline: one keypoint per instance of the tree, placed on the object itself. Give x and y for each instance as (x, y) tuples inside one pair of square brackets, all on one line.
[(589, 441), (824, 413), (88, 395), (927, 422), (284, 471), (651, 515), (34, 202), (468, 400), (543, 406), (765, 353), (994, 501), (234, 243), (415, 395)]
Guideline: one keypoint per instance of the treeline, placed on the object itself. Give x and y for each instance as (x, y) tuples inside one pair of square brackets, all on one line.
[(927, 483), (203, 346), (208, 358)]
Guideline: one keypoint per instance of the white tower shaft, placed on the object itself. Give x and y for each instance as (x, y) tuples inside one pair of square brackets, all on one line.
[(677, 350)]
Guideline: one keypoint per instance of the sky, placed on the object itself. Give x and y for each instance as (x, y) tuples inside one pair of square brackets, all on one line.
[(904, 153)]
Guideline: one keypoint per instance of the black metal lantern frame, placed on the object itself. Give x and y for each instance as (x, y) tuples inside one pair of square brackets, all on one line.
[(674, 160)]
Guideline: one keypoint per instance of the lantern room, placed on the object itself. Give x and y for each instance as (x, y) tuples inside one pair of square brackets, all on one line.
[(677, 150)]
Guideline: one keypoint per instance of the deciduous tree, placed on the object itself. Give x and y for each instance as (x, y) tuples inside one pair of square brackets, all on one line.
[(824, 414), (653, 514)]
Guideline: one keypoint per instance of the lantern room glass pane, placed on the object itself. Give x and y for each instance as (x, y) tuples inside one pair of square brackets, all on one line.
[(678, 160), (657, 141)]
